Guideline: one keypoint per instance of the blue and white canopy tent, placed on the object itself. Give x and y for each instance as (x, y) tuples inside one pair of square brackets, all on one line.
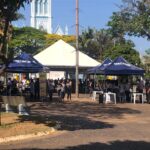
[(120, 66), (24, 63), (100, 68)]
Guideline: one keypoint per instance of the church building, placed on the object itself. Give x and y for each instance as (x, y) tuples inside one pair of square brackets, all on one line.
[(41, 17)]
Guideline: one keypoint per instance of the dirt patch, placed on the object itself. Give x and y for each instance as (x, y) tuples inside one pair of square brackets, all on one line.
[(12, 126)]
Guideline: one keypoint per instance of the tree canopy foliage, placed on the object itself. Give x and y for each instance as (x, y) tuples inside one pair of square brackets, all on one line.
[(100, 44), (52, 38), (132, 19), (147, 57), (147, 62), (31, 40), (94, 42), (27, 39), (124, 49)]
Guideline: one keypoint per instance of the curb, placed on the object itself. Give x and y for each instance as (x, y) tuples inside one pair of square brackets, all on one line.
[(23, 137)]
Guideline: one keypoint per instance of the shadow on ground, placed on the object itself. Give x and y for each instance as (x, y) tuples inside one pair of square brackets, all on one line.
[(84, 109), (69, 123), (75, 115), (115, 145)]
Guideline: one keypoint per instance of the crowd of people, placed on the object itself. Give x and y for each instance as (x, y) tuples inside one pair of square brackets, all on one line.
[(31, 88), (65, 87), (21, 87), (122, 88), (62, 87)]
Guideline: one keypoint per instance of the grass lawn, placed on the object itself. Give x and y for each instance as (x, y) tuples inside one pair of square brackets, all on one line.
[(13, 124)]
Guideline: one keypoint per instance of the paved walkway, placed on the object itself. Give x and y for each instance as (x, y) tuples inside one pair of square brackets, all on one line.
[(86, 125)]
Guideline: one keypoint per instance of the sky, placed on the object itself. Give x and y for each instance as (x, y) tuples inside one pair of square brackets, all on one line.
[(92, 13)]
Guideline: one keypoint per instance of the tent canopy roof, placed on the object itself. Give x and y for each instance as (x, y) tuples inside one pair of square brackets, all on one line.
[(62, 54), (100, 68), (120, 66), (24, 63)]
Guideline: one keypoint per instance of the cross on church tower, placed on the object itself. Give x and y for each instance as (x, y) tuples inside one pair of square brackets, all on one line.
[(41, 16)]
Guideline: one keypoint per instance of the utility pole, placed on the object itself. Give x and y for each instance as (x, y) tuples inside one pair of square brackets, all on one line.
[(77, 48)]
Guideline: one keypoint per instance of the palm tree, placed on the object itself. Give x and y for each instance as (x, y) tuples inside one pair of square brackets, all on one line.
[(104, 40), (8, 13), (94, 42)]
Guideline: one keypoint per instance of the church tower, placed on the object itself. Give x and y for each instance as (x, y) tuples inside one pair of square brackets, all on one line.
[(41, 16)]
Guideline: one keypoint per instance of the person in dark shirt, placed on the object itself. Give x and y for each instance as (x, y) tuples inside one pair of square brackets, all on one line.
[(50, 89), (147, 88), (37, 89), (9, 86), (68, 89)]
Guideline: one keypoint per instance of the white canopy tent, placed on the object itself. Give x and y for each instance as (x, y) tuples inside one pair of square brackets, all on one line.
[(61, 54)]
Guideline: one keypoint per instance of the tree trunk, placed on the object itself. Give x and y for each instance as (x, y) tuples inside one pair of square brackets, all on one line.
[(2, 69), (3, 51), (5, 36)]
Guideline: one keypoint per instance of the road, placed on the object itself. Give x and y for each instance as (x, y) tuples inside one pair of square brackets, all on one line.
[(87, 125)]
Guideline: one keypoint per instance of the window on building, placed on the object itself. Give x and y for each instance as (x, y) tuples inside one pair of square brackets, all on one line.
[(45, 7), (36, 6), (41, 6)]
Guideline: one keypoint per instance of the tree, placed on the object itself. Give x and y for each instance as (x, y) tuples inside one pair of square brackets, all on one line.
[(31, 40), (94, 42), (27, 39), (147, 56), (103, 43), (125, 49), (52, 38), (147, 61), (132, 19), (87, 43), (8, 9)]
